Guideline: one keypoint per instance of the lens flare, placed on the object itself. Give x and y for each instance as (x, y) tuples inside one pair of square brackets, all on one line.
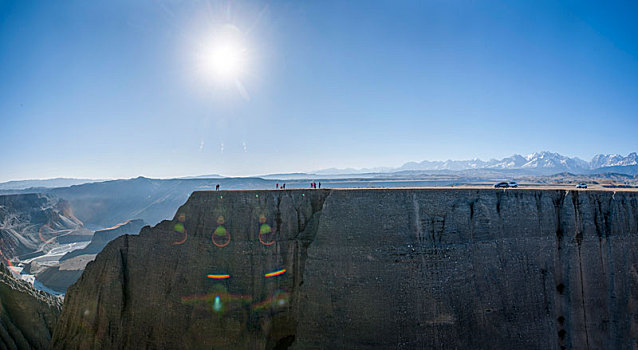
[(219, 276), (179, 228), (9, 264), (42, 238), (278, 299), (275, 273), (266, 233), (221, 237), (219, 301), (264, 229), (217, 304)]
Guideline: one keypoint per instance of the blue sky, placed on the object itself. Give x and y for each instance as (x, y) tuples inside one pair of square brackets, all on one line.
[(114, 89)]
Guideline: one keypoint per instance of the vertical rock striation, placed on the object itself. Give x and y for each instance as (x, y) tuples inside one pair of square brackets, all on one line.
[(27, 316), (386, 268)]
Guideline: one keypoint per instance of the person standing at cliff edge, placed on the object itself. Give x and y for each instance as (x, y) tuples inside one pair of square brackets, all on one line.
[(217, 187)]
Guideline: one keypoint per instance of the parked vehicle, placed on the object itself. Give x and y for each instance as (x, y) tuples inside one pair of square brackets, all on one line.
[(502, 185), (512, 184), (581, 185)]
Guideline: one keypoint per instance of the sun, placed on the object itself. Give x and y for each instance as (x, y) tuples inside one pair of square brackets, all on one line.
[(226, 60), (224, 55)]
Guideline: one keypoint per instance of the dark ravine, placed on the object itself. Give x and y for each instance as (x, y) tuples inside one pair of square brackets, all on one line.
[(383, 268), (27, 316)]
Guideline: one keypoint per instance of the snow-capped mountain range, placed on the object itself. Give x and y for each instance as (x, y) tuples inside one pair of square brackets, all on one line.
[(535, 163), (609, 160), (549, 161)]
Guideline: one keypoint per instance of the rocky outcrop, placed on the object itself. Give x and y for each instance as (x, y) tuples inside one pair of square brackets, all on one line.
[(364, 269), (27, 316), (102, 237), (28, 222)]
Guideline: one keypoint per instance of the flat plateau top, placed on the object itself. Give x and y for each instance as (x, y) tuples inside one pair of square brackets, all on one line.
[(463, 187)]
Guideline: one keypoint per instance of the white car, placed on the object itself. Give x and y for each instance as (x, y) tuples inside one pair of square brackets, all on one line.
[(506, 184), (581, 185)]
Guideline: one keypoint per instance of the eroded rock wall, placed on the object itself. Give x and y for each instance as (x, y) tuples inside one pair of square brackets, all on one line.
[(153, 290), (27, 316), (395, 268)]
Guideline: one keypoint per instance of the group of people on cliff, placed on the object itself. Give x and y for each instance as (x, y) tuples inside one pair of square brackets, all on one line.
[(283, 186), (312, 185)]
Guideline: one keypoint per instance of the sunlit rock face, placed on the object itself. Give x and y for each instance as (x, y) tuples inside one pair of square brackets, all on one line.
[(368, 269), (28, 222)]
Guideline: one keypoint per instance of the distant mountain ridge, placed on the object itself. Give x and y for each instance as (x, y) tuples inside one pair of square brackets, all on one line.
[(45, 183), (538, 160), (611, 160), (540, 163)]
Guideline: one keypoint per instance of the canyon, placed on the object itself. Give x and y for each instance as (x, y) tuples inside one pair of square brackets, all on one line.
[(374, 268), (34, 223)]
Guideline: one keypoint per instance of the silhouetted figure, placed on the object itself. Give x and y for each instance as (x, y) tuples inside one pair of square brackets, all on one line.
[(217, 187), (320, 185), (277, 185), (283, 187)]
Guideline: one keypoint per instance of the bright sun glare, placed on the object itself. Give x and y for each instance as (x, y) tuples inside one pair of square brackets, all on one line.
[(226, 60), (225, 57)]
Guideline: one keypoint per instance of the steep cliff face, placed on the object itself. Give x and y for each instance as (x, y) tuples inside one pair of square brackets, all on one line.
[(396, 268), (27, 316)]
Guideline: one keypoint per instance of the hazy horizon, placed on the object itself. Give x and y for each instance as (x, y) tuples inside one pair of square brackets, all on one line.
[(310, 171), (108, 90)]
